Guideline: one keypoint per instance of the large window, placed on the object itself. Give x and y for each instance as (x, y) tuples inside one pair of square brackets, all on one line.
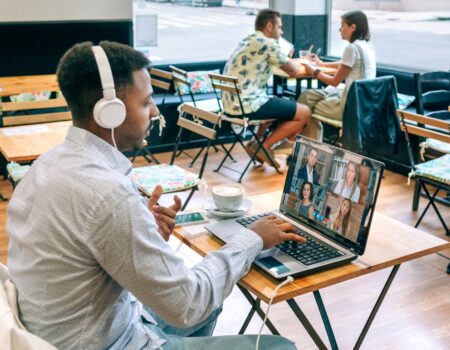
[(188, 33), (404, 34)]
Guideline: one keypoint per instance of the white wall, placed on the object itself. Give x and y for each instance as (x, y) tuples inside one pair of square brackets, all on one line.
[(64, 10)]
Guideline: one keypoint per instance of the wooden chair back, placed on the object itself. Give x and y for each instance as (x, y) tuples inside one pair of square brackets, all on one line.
[(226, 83), (423, 126), (180, 77), (197, 126), (55, 108), (161, 79)]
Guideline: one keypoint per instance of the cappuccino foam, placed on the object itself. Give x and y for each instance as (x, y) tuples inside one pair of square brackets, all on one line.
[(227, 191)]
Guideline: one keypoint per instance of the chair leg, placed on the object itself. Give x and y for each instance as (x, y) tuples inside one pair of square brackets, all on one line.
[(191, 164), (148, 156), (226, 151), (431, 202), (260, 146), (416, 197), (228, 154), (189, 198)]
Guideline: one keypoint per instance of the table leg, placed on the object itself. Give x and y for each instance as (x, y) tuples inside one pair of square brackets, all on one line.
[(256, 307), (306, 324), (325, 320), (376, 307)]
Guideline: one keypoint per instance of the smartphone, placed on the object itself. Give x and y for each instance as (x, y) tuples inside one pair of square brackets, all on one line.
[(190, 218)]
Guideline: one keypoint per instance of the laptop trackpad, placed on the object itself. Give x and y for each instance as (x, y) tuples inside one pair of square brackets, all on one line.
[(274, 265)]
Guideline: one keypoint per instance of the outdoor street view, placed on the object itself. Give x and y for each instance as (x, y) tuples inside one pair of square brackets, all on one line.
[(401, 39)]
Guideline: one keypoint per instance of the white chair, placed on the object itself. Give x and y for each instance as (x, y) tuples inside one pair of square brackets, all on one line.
[(13, 334)]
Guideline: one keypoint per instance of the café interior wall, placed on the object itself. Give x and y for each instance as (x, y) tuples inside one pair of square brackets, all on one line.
[(64, 10), (35, 34)]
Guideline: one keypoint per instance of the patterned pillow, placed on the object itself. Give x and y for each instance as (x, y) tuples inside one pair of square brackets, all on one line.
[(171, 177), (31, 96), (16, 171), (200, 82), (437, 169)]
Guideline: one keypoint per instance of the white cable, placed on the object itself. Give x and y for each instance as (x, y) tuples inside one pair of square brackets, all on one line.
[(289, 279), (113, 140)]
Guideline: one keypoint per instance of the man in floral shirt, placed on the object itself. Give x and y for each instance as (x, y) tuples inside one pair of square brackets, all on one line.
[(252, 62)]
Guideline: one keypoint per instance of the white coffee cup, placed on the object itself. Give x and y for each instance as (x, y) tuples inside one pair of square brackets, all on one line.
[(228, 197)]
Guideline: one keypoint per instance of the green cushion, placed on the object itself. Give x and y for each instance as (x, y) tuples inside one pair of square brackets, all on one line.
[(437, 169), (172, 178), (16, 171)]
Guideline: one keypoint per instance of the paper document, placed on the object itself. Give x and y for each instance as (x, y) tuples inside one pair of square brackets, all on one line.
[(25, 130), (285, 45)]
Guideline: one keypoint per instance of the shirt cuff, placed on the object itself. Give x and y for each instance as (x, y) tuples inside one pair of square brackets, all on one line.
[(248, 242)]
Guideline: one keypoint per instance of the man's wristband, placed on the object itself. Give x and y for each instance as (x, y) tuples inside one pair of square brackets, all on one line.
[(316, 72)]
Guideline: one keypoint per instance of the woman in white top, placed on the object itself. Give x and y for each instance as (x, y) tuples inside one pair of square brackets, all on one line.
[(340, 221), (358, 62), (348, 187)]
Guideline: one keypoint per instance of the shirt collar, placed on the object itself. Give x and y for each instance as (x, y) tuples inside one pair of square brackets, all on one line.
[(259, 33), (113, 157)]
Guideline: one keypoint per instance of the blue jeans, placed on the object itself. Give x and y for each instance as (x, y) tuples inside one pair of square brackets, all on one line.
[(199, 337)]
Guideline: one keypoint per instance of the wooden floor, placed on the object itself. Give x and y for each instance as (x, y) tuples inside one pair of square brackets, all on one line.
[(414, 315)]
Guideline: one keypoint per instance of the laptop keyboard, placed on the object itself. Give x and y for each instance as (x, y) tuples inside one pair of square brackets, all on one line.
[(311, 252)]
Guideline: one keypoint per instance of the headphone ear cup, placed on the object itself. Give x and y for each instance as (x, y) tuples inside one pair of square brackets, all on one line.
[(109, 114)]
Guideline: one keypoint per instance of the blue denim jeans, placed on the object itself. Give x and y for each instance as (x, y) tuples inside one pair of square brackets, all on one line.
[(199, 337)]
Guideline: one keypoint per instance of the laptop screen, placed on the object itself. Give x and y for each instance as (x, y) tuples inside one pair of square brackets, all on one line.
[(333, 191)]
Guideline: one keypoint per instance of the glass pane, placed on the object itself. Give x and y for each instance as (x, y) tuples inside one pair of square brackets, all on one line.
[(193, 33), (409, 39)]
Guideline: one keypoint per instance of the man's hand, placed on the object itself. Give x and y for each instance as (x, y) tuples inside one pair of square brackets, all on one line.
[(165, 217), (274, 231)]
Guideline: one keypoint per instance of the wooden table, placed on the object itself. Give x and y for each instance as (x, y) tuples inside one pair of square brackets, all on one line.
[(279, 74), (26, 143), (29, 83), (390, 244)]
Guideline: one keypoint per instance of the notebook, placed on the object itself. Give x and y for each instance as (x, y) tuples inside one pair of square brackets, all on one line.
[(329, 196)]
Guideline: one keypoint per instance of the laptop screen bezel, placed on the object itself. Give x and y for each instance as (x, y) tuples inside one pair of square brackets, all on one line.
[(363, 235)]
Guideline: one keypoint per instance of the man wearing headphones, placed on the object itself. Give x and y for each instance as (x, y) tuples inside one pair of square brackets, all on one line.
[(87, 251)]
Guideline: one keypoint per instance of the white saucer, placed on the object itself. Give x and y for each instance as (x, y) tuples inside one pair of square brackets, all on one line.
[(212, 209)]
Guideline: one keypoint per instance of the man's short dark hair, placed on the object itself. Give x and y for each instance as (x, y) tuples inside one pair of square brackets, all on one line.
[(312, 149), (79, 78), (264, 16)]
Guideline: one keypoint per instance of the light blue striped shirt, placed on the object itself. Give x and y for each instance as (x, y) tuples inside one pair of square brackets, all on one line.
[(83, 243)]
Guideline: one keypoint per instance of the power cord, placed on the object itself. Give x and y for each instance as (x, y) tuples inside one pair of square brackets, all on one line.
[(289, 279)]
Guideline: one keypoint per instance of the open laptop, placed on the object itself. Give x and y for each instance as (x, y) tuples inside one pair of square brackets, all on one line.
[(329, 196)]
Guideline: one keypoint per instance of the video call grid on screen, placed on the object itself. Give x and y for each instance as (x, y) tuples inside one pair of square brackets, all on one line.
[(331, 188)]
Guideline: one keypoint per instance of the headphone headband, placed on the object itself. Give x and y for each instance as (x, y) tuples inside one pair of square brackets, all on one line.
[(106, 77)]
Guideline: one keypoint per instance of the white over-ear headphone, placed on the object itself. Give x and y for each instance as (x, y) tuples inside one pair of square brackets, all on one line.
[(109, 112)]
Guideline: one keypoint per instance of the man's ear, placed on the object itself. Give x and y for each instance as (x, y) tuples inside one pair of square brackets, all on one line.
[(269, 26)]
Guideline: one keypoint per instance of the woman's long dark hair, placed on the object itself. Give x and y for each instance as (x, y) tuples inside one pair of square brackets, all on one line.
[(311, 193)]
